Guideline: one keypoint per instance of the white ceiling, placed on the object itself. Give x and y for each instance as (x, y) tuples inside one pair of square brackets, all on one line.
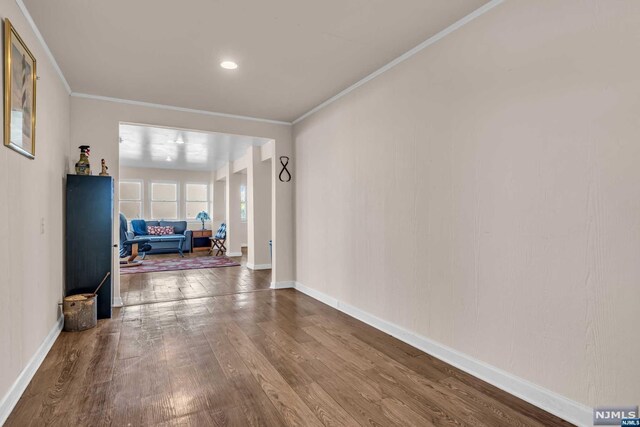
[(148, 147), (292, 54)]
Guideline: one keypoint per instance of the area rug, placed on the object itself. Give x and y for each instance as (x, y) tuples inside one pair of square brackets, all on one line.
[(170, 264)]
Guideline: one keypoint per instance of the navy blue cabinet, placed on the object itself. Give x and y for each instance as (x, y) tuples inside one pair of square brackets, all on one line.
[(89, 237)]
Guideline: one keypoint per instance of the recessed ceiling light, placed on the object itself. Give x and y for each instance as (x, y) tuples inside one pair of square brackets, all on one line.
[(168, 158), (229, 65), (179, 141)]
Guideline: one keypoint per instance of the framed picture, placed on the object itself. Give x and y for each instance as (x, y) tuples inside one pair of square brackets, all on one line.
[(19, 94)]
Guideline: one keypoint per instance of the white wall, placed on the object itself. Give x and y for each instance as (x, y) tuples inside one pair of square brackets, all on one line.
[(219, 202), (181, 177), (31, 191), (236, 229), (485, 194), (254, 170), (259, 211), (243, 226)]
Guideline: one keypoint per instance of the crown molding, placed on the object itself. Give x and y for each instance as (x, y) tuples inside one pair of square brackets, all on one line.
[(47, 51), (175, 108), (431, 40)]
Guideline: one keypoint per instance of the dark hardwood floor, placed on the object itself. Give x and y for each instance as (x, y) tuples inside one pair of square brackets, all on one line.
[(145, 288), (259, 358)]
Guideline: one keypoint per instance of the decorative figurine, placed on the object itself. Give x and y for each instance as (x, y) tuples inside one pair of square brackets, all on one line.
[(104, 169), (83, 167)]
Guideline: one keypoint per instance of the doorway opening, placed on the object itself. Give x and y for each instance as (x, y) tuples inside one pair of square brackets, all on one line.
[(196, 213)]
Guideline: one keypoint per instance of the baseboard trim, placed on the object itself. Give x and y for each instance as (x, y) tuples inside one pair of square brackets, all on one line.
[(259, 266), (117, 302), (547, 400), (233, 254), (283, 285), (322, 297), (10, 399)]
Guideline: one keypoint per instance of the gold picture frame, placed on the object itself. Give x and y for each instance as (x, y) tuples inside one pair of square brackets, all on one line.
[(19, 94)]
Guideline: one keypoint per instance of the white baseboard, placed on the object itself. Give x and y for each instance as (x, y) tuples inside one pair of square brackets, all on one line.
[(550, 401), (233, 254), (117, 302), (259, 266), (283, 285), (323, 298), (10, 399)]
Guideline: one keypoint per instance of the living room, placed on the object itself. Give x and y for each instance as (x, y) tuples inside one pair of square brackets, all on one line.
[(172, 198)]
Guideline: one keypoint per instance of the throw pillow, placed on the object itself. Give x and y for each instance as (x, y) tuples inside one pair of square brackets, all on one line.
[(179, 227), (157, 230), (222, 232), (139, 227)]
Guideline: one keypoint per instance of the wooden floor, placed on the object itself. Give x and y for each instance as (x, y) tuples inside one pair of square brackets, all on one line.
[(261, 358), (145, 288)]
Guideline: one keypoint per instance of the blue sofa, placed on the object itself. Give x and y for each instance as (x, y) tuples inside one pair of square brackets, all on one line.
[(179, 242)]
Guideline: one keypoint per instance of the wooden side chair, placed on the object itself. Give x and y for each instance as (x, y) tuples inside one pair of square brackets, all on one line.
[(217, 241)]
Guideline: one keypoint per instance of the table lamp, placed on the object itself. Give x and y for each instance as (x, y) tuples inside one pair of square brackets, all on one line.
[(203, 216)]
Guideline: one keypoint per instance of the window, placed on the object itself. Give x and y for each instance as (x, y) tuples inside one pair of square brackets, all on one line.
[(243, 203), (197, 199), (164, 200), (131, 198)]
